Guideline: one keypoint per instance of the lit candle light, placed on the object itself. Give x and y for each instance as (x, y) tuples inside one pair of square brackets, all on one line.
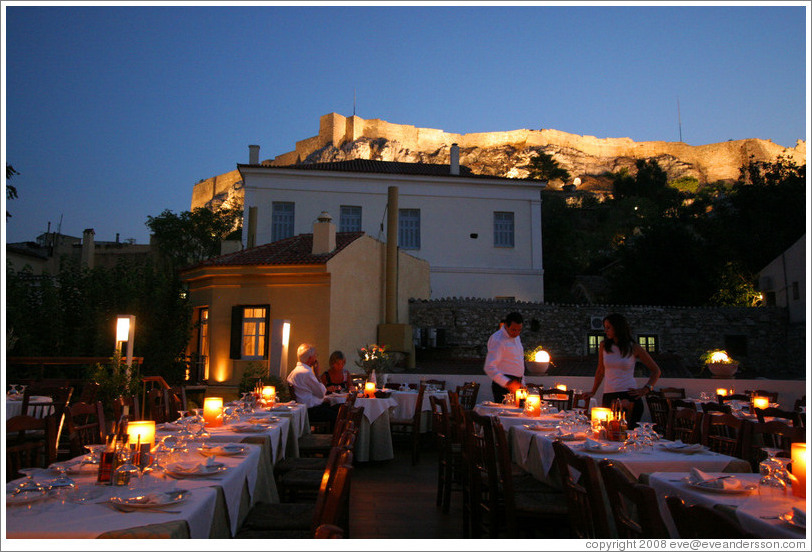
[(145, 429), (601, 414), (799, 457), (213, 411), (269, 393), (561, 387), (369, 389), (532, 405), (761, 402), (721, 392), (521, 395)]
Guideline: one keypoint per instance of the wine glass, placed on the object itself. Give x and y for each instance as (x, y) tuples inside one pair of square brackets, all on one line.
[(776, 464), (94, 453), (28, 486), (771, 488), (128, 473)]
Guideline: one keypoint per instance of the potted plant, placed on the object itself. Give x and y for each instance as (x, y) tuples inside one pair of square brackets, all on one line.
[(719, 363), (537, 361), (375, 357)]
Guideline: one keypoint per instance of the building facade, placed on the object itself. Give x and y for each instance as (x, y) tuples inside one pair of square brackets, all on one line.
[(480, 235)]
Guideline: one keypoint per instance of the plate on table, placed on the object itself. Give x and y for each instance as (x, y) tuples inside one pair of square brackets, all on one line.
[(683, 448), (263, 420), (703, 486), (789, 519), (539, 427), (248, 428), (508, 413), (186, 469), (228, 449), (24, 498), (605, 448), (151, 500), (281, 408)]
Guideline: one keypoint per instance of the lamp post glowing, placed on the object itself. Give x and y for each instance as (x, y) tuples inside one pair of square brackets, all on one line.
[(125, 331)]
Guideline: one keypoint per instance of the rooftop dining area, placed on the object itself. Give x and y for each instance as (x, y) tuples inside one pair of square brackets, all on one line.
[(421, 456)]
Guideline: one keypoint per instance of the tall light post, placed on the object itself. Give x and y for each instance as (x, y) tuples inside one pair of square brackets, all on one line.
[(125, 331)]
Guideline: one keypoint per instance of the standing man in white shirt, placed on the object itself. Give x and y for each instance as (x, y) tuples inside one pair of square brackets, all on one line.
[(505, 361), (308, 389)]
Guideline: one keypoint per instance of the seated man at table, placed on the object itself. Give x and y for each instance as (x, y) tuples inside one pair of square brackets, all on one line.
[(308, 389)]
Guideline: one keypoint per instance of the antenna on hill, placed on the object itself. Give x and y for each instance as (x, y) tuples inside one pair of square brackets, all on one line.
[(353, 102), (679, 120), (59, 227)]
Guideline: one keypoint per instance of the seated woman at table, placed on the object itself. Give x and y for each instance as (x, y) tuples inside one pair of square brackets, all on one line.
[(336, 379), (618, 354), (307, 388)]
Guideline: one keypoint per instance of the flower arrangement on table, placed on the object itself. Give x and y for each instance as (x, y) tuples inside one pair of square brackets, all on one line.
[(375, 357)]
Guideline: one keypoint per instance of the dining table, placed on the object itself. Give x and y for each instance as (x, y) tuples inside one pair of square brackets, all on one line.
[(374, 439), (407, 401), (764, 517), (183, 504), (38, 406)]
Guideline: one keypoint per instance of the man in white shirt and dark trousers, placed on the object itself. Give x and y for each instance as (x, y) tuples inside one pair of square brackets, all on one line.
[(505, 361), (308, 389)]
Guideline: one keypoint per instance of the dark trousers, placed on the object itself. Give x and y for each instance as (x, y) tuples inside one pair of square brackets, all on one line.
[(323, 413), (499, 392), (637, 405)]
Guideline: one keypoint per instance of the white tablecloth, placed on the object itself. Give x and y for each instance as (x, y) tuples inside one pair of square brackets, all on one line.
[(374, 439), (240, 485), (748, 507), (37, 407)]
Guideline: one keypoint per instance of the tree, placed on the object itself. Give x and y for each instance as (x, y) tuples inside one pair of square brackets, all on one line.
[(544, 167), (11, 191)]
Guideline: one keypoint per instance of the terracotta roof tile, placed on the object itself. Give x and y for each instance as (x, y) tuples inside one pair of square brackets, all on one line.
[(295, 250)]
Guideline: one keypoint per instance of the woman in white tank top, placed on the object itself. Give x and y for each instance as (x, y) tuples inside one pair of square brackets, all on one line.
[(617, 356)]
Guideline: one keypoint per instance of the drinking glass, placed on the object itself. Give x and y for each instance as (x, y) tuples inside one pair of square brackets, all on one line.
[(771, 488), (128, 472), (29, 485)]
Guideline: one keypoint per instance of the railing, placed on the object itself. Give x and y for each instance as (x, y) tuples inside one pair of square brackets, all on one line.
[(42, 362)]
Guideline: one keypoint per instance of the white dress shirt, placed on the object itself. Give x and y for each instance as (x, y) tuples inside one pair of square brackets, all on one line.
[(505, 357), (309, 390)]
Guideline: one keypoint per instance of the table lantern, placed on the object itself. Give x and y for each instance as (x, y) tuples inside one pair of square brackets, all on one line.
[(369, 389), (521, 396), (721, 392), (761, 402), (532, 405), (601, 415), (142, 431), (213, 411), (799, 458), (269, 393), (561, 387)]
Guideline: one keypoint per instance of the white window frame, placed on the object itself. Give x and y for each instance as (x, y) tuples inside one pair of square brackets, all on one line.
[(254, 330), (283, 217), (409, 228), (350, 218), (504, 229)]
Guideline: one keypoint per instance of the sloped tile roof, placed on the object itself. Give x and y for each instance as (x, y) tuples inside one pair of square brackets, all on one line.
[(290, 251)]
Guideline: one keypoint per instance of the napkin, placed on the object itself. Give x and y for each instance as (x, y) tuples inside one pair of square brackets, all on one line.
[(201, 467), (679, 446), (569, 436), (698, 477), (591, 444), (490, 403), (169, 426)]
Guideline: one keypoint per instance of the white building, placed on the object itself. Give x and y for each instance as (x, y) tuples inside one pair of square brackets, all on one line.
[(783, 281), (481, 235)]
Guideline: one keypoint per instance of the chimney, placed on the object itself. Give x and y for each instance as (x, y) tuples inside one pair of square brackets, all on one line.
[(324, 234), (253, 155), (455, 159), (88, 248), (117, 237)]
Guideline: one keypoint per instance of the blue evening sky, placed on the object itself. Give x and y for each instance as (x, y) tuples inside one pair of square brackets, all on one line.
[(111, 114)]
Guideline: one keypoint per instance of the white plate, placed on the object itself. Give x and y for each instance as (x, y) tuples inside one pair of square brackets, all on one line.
[(263, 420), (282, 408), (151, 500), (789, 519), (687, 449), (538, 427), (24, 498), (248, 428), (744, 489), (605, 449), (207, 473), (223, 450)]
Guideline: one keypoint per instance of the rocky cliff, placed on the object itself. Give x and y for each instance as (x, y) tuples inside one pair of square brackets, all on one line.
[(505, 154)]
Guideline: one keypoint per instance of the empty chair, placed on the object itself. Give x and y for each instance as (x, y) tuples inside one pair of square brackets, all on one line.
[(716, 407), (772, 395), (562, 400), (411, 425), (440, 384), (774, 434), (449, 453), (175, 401), (643, 521), (319, 444), (467, 394), (30, 443), (733, 397), (685, 425), (581, 480), (676, 404), (89, 392), (672, 392), (85, 426), (658, 407), (131, 403), (792, 417), (580, 401), (701, 522), (725, 433)]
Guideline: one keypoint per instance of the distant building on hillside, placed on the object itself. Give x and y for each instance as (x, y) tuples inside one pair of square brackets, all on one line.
[(783, 281)]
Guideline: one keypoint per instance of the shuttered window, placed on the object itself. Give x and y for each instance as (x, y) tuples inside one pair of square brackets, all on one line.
[(409, 228), (282, 218), (349, 219), (503, 231)]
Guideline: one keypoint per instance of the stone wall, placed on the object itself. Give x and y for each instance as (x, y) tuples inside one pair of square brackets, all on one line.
[(774, 348)]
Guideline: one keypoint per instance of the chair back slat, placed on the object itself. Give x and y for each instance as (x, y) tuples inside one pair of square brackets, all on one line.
[(701, 522), (634, 505), (725, 433), (581, 481)]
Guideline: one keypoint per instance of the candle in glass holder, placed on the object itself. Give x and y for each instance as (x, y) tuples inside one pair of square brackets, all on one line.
[(532, 405), (142, 431), (721, 392), (521, 396), (799, 457), (601, 414), (561, 387), (761, 402), (269, 393), (213, 411), (369, 389)]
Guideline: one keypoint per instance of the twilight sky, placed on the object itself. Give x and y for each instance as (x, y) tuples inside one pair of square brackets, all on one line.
[(111, 114)]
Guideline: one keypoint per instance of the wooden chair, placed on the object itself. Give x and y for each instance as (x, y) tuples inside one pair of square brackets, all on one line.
[(130, 402), (175, 401), (672, 392), (467, 394), (302, 520), (658, 407), (562, 400), (799, 403), (773, 434), (733, 397), (437, 383), (411, 425), (725, 434), (634, 505), (678, 404), (319, 444), (528, 505), (155, 406), (588, 518), (85, 426), (684, 424), (793, 417), (60, 398), (89, 392), (327, 531), (716, 407), (30, 443), (449, 453), (701, 522)]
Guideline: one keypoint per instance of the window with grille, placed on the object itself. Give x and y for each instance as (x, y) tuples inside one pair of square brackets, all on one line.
[(253, 333), (409, 228), (648, 342), (349, 219), (503, 230), (593, 342), (282, 216)]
